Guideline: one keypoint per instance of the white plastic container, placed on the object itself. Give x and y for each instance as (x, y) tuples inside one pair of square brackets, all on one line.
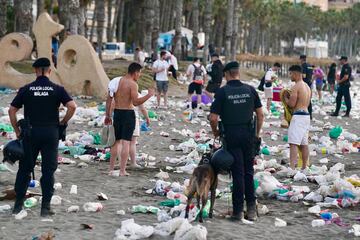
[(93, 207), (5, 208), (73, 189), (317, 223)]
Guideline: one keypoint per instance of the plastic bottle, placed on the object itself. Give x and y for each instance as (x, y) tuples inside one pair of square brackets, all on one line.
[(139, 209), (34, 184), (5, 208), (327, 216), (73, 209), (73, 189), (162, 216), (30, 202), (317, 223), (170, 203), (55, 200), (22, 214), (93, 207), (57, 186)]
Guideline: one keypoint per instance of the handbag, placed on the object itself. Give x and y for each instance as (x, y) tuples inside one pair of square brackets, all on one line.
[(108, 135)]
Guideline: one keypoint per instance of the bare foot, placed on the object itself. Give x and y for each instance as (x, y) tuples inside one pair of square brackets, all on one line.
[(122, 174), (135, 165)]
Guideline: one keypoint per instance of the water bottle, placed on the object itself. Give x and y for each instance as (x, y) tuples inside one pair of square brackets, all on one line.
[(22, 214), (30, 202), (93, 207), (318, 223), (162, 216), (73, 189), (57, 186), (73, 209), (5, 208), (34, 184), (327, 216), (55, 200)]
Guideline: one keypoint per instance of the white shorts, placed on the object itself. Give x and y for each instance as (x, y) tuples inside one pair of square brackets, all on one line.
[(298, 132), (137, 128), (268, 92)]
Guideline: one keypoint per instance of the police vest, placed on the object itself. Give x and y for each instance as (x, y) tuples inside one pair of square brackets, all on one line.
[(41, 103), (238, 106)]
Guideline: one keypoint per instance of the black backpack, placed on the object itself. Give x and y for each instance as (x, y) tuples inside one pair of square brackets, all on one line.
[(262, 83)]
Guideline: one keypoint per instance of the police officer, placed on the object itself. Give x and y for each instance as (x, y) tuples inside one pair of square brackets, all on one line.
[(41, 100), (307, 71), (344, 87), (235, 104)]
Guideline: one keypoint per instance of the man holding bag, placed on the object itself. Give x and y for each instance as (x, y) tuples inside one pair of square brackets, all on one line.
[(235, 103)]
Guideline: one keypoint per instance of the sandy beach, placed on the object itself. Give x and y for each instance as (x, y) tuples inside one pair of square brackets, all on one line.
[(125, 192)]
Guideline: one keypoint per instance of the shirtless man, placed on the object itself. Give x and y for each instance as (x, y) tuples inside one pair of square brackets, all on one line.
[(125, 97), (299, 100)]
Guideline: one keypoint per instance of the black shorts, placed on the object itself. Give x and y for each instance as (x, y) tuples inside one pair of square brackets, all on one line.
[(124, 124), (331, 81), (212, 87), (195, 87)]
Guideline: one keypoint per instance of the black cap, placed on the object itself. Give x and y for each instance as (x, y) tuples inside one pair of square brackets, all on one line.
[(41, 63), (214, 55), (231, 65), (295, 68), (343, 58), (302, 56)]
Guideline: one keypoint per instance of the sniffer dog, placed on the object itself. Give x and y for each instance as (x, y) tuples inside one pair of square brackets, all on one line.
[(203, 180)]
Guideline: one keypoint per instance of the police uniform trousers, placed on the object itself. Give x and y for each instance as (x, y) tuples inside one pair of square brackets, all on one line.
[(240, 143), (44, 140), (343, 91)]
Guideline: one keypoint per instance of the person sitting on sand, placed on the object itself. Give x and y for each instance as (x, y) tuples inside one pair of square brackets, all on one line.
[(299, 100), (125, 97)]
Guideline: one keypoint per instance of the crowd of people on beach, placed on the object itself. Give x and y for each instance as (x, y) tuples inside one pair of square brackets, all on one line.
[(233, 106)]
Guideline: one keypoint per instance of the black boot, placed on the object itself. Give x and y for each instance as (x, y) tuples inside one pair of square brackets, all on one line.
[(18, 206), (46, 210), (237, 217), (251, 212)]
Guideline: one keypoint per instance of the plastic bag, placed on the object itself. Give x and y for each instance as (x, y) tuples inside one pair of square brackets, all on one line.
[(169, 227), (335, 132), (188, 232), (299, 176), (130, 230)]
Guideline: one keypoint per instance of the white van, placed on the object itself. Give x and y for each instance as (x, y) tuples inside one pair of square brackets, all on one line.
[(113, 50)]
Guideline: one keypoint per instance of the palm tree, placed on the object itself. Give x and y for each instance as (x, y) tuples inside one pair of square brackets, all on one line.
[(3, 17), (178, 24), (235, 34), (195, 26), (229, 28), (149, 15), (156, 28), (120, 21), (23, 16), (40, 7), (100, 19), (109, 34), (207, 28)]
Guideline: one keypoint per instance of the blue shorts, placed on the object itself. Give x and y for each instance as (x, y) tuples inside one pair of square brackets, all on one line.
[(162, 86)]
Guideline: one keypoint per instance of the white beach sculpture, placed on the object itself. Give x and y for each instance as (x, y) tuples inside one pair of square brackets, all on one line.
[(79, 69)]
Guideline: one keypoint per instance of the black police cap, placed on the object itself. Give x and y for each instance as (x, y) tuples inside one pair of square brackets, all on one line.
[(302, 56), (295, 68), (231, 65), (41, 63), (343, 58)]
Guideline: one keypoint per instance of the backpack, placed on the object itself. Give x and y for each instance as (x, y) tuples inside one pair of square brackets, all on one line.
[(262, 83), (198, 75)]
